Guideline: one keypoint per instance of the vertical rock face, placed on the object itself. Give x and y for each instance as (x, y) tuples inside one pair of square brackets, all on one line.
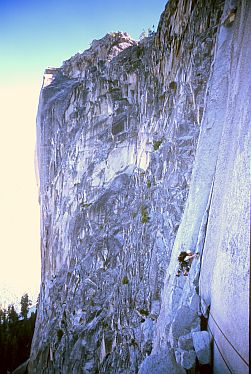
[(117, 134)]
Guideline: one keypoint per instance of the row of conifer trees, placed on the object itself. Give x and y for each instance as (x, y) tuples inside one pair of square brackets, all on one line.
[(16, 332)]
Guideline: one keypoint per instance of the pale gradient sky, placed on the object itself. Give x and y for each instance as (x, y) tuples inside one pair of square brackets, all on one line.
[(33, 36)]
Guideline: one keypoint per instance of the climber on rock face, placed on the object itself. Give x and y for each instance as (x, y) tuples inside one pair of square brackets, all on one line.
[(185, 259)]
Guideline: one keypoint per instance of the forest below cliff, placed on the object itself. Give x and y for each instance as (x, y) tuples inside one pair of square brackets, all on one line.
[(16, 332)]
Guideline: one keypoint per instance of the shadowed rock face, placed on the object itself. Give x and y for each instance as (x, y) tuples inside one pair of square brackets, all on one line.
[(117, 132)]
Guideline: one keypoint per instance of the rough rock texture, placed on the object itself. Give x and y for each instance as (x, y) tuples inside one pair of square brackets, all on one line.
[(216, 219), (117, 134), (162, 362), (201, 343)]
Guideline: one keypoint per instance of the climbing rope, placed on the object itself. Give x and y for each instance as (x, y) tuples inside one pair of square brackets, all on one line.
[(242, 358), (223, 358)]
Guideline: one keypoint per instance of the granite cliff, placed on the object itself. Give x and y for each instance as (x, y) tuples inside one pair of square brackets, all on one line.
[(143, 149)]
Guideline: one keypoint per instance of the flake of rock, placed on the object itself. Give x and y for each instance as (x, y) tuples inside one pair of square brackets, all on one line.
[(161, 363), (188, 359), (182, 323), (185, 342), (201, 342), (194, 302)]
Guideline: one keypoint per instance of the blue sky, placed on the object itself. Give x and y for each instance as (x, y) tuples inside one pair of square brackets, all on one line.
[(37, 34), (34, 35)]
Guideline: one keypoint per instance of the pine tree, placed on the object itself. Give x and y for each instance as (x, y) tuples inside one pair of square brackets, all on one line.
[(12, 314), (3, 317), (25, 304)]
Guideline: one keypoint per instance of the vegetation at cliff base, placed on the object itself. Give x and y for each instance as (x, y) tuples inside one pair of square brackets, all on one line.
[(16, 332)]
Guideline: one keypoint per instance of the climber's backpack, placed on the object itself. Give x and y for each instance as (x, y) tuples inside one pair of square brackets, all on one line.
[(182, 257)]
